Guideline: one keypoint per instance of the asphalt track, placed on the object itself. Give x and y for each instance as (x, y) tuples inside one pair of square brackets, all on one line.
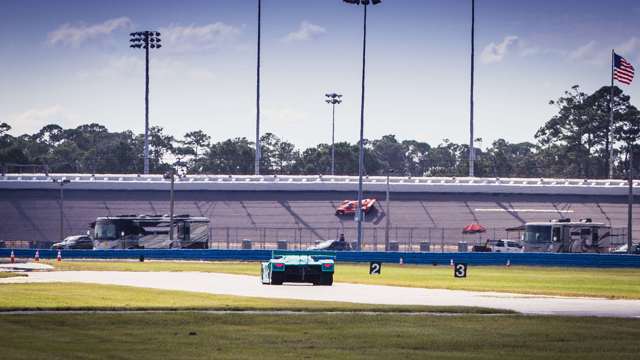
[(242, 285), (305, 216)]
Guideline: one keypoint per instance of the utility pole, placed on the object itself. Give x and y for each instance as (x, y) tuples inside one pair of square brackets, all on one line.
[(171, 175), (630, 204), (387, 214), (62, 183)]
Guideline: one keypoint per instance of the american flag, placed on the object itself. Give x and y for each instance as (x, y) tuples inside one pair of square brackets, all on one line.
[(622, 69)]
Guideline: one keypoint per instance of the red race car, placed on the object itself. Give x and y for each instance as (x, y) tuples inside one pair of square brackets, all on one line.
[(348, 207)]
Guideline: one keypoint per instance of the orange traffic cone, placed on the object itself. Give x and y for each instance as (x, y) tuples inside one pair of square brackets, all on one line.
[(13, 257), (59, 257), (508, 262), (37, 257)]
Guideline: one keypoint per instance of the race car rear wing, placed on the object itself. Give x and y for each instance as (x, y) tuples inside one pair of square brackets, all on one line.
[(316, 254)]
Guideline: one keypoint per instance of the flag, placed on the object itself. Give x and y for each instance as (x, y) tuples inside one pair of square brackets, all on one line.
[(622, 69)]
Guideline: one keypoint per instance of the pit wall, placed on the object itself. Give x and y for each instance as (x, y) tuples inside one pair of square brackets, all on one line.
[(500, 259)]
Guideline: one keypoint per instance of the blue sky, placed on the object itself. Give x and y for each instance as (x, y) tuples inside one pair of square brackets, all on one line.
[(68, 62)]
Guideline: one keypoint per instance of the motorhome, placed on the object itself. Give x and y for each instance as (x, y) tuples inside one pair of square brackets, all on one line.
[(150, 232), (566, 236)]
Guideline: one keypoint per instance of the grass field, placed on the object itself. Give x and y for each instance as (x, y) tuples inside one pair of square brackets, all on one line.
[(610, 283), (326, 336), (10, 274), (66, 296)]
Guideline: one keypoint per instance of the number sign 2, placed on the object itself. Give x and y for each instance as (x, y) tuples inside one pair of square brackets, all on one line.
[(460, 270), (375, 267)]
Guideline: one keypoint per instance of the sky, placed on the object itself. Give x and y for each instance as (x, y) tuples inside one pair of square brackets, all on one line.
[(68, 62)]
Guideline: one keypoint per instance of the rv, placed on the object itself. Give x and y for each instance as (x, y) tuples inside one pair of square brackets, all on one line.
[(566, 236), (150, 232)]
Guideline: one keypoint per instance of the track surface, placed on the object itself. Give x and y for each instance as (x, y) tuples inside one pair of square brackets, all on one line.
[(242, 285)]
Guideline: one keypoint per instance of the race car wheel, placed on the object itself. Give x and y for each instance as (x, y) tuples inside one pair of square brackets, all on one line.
[(325, 280), (276, 279)]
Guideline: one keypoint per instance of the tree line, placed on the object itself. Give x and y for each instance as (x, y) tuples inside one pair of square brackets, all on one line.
[(574, 143)]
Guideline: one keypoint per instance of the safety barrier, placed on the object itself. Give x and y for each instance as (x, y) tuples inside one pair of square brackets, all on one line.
[(535, 259)]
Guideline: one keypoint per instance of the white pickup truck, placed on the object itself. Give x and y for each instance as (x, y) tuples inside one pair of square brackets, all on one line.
[(501, 246)]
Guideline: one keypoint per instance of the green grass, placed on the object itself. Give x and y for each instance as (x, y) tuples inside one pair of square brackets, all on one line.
[(609, 283), (10, 274), (317, 336), (66, 296)]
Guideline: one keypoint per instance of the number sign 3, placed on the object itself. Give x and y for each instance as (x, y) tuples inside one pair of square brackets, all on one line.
[(460, 270)]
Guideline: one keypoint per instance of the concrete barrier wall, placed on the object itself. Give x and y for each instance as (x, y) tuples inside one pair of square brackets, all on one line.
[(319, 183), (534, 259)]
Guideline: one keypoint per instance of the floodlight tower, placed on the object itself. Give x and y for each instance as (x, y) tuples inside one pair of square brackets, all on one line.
[(146, 40), (333, 99), (359, 214), (258, 150)]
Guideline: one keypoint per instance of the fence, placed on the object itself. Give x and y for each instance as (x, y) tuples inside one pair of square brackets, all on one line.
[(406, 239)]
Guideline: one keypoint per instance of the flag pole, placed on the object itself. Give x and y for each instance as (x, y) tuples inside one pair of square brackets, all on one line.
[(613, 60)]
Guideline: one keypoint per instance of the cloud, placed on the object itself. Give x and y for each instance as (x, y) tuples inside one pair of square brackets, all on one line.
[(284, 115), (74, 35), (187, 38), (494, 53), (629, 48), (132, 66), (585, 52), (306, 31), (39, 117)]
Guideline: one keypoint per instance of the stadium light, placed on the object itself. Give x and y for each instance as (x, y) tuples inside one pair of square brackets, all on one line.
[(333, 99), (258, 154), (146, 40), (472, 150), (359, 214)]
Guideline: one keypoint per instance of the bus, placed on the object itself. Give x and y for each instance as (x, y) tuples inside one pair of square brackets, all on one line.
[(566, 236), (150, 232)]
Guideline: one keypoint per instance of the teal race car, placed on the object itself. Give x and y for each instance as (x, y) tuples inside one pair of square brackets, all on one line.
[(314, 267)]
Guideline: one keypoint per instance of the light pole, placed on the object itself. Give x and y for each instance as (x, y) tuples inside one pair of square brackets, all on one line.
[(146, 40), (171, 175), (258, 155), (333, 99), (387, 214), (472, 150), (62, 183), (365, 4)]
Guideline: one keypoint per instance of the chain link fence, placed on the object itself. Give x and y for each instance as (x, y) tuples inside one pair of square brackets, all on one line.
[(407, 239)]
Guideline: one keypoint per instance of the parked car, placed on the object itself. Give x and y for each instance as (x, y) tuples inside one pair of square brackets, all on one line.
[(298, 266), (333, 245), (501, 246), (348, 207), (623, 249), (74, 242)]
